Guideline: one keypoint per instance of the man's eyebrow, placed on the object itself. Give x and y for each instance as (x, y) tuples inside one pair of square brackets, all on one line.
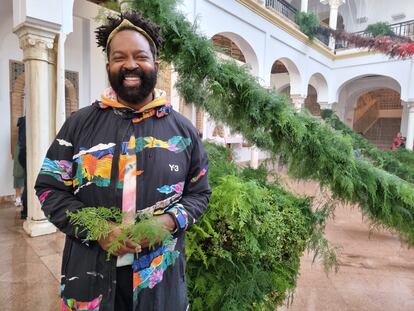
[(139, 51)]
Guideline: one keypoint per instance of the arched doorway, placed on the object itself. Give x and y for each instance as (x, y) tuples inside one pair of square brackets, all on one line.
[(311, 101), (377, 116), (286, 79)]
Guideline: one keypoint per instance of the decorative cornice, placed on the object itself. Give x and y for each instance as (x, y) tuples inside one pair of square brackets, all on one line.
[(333, 3), (410, 106), (35, 41)]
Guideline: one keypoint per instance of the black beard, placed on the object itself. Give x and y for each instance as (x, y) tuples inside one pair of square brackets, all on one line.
[(133, 95)]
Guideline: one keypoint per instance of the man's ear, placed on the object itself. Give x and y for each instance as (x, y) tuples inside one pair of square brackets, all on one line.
[(157, 65)]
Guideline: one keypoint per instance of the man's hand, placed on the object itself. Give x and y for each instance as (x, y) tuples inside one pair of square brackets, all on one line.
[(166, 221), (127, 247)]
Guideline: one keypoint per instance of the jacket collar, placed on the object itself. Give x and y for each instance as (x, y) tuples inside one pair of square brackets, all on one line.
[(110, 99)]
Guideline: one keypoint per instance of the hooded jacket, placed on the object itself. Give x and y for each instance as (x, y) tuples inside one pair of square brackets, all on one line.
[(108, 155)]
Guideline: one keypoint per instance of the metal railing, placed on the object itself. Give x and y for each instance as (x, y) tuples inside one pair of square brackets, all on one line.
[(403, 29), (363, 124), (282, 7)]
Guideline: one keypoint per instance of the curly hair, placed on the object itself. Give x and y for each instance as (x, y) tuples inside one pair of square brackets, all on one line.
[(136, 18)]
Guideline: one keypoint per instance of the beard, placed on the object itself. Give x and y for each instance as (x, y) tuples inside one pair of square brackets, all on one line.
[(133, 94)]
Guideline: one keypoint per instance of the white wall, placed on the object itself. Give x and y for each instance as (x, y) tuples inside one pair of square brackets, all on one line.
[(381, 11), (9, 50)]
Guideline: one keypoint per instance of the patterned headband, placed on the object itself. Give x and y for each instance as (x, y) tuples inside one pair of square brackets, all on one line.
[(126, 24)]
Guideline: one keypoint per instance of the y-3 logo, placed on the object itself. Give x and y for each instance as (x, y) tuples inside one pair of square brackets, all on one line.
[(174, 167)]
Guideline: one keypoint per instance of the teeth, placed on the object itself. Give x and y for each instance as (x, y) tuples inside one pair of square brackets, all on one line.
[(131, 78)]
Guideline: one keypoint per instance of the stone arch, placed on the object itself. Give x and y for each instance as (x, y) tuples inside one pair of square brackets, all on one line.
[(281, 79), (318, 81), (365, 82), (245, 47), (351, 90)]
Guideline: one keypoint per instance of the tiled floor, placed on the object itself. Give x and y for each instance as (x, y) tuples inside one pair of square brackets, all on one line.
[(29, 267), (376, 271)]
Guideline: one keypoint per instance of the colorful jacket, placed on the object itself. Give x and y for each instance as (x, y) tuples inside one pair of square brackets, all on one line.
[(109, 155)]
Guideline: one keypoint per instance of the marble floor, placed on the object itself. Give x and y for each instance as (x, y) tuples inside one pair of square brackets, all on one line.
[(29, 267), (376, 270)]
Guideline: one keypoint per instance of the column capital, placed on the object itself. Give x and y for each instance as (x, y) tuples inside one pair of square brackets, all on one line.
[(37, 43), (333, 3), (325, 105), (298, 101), (409, 105)]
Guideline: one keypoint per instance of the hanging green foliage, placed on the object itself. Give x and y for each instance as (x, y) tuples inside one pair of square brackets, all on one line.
[(308, 23), (312, 149), (379, 29)]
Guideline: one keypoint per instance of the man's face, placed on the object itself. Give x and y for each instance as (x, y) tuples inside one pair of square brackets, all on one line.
[(132, 71)]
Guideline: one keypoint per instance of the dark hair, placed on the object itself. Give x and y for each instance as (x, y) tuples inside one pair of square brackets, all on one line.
[(136, 18)]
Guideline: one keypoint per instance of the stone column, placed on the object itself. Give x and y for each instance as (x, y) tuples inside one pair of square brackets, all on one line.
[(60, 83), (325, 105), (254, 157), (298, 101), (333, 17), (404, 117), (39, 58), (410, 126), (304, 6)]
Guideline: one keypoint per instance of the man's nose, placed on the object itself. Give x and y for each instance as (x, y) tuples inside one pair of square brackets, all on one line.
[(130, 63)]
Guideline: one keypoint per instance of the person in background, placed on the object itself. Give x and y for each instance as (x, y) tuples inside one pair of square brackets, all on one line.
[(398, 142), (21, 141), (18, 176)]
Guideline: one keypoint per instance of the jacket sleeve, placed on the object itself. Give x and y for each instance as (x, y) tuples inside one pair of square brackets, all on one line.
[(196, 192), (54, 183)]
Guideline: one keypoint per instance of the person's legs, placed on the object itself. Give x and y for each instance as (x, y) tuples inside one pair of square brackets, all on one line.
[(18, 196), (123, 294), (23, 214)]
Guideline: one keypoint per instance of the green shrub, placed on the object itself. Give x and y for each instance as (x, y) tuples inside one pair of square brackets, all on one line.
[(246, 249), (244, 253), (308, 23), (379, 29)]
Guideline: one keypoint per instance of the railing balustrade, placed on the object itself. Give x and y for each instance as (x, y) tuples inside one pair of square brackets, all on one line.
[(283, 8)]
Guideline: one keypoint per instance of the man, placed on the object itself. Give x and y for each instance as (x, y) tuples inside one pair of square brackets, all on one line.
[(132, 151)]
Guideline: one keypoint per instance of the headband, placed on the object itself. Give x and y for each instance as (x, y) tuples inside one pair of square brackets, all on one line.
[(125, 25)]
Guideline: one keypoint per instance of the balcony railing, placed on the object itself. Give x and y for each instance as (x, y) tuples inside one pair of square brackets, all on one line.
[(403, 29), (283, 8)]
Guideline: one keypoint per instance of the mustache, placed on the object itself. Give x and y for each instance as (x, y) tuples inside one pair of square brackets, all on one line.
[(138, 72)]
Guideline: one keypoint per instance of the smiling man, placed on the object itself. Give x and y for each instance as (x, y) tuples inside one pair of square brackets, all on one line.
[(132, 151)]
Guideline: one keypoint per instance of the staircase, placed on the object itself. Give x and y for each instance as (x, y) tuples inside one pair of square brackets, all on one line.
[(383, 131), (368, 119)]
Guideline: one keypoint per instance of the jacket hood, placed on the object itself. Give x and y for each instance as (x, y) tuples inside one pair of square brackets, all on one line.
[(110, 99)]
